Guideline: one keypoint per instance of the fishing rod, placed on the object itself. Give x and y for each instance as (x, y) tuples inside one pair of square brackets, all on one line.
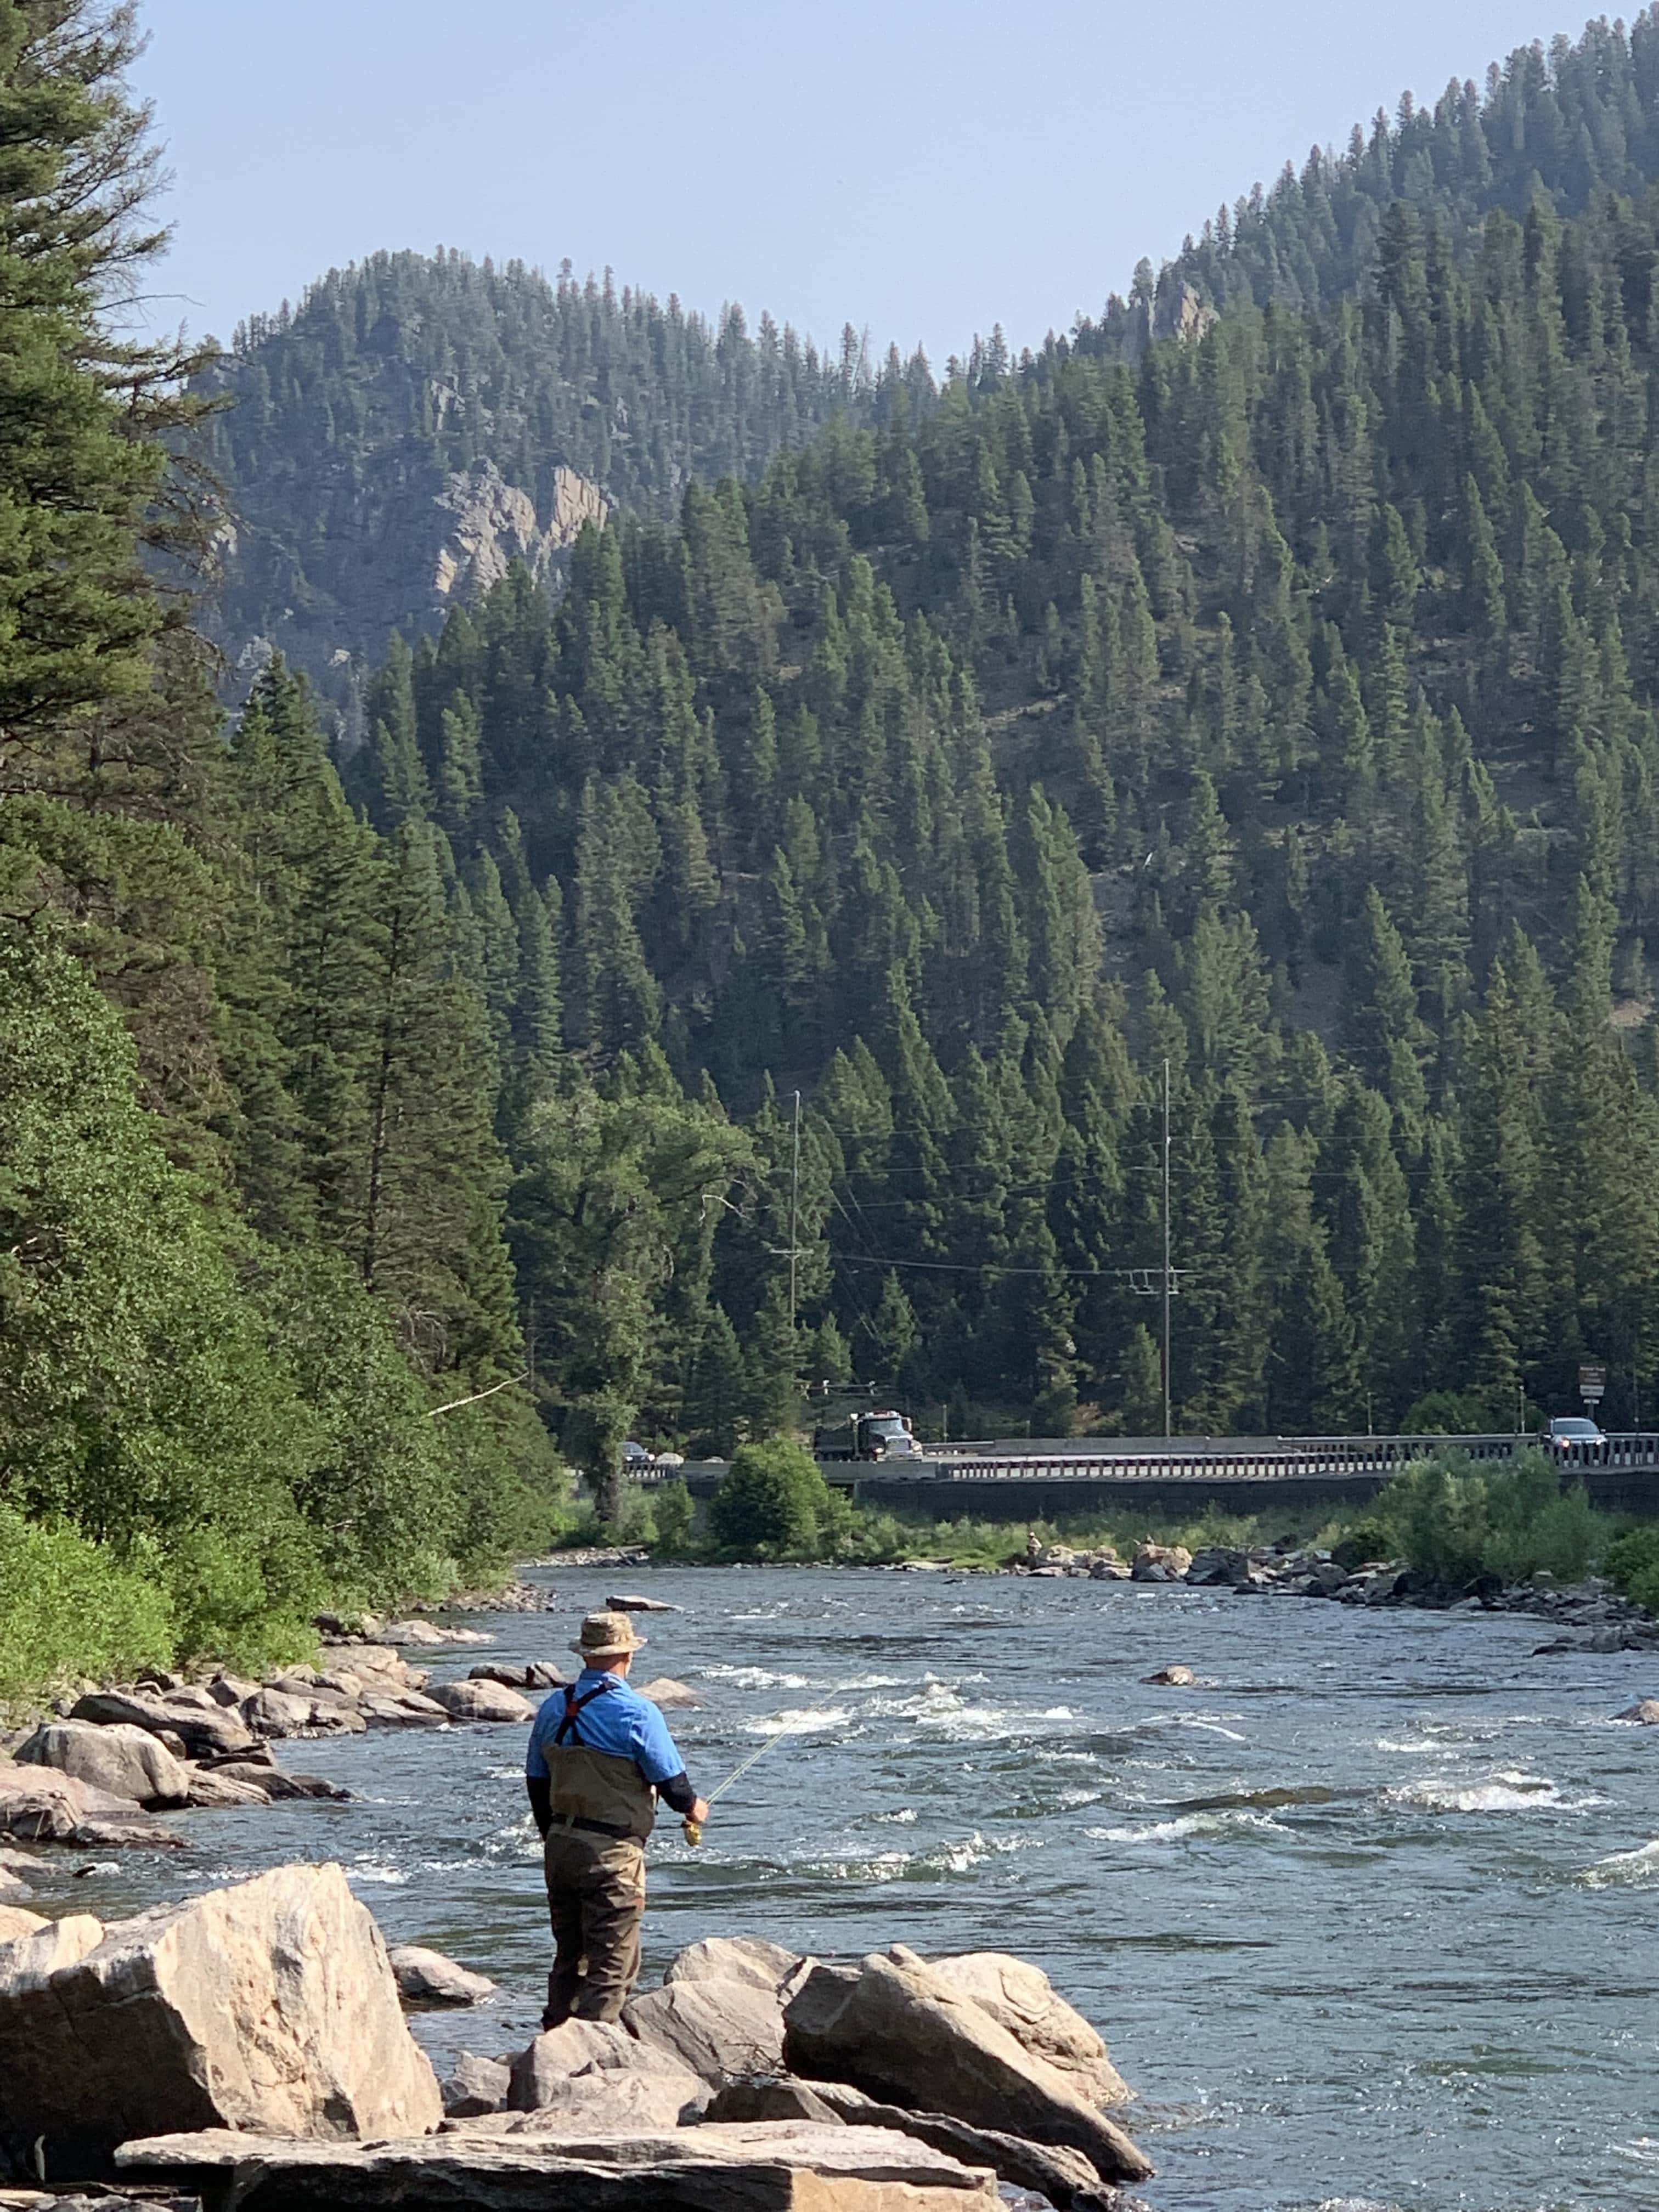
[(694, 1828)]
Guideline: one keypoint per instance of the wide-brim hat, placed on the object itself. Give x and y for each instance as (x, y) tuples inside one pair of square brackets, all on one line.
[(607, 1636)]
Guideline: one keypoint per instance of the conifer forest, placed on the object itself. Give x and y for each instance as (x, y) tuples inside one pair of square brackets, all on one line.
[(1259, 682)]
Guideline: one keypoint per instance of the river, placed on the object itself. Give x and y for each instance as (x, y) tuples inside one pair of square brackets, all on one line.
[(1422, 1973)]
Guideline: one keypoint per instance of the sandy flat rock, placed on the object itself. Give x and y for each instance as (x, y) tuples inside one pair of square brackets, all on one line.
[(427, 1977), (124, 1760), (665, 1691), (268, 2005), (402, 1709), (900, 2033), (734, 1959), (787, 2167), (483, 1702), (716, 2028)]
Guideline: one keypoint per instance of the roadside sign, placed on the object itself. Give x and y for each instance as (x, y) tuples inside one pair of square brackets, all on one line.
[(1592, 1383)]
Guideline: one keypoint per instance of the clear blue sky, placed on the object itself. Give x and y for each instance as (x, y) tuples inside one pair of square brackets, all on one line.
[(919, 169)]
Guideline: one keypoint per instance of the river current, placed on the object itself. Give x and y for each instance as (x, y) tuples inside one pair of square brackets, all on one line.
[(1370, 1918)]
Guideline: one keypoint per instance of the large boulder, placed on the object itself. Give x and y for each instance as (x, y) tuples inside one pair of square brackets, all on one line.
[(218, 1788), (1020, 1997), (401, 1708), (662, 1690), (271, 2005), (716, 2028), (39, 1805), (427, 1977), (274, 1782), (604, 2101), (207, 1730), (124, 1760), (482, 1701), (15, 1922), (749, 1959), (1216, 1565), (778, 2167), (1160, 1563), (901, 2033), (544, 2077)]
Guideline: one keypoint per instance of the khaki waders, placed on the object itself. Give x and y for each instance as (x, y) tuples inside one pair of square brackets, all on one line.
[(594, 1858)]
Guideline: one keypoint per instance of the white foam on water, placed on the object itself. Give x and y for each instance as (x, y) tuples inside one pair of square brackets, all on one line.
[(1645, 2151), (1187, 1824), (1637, 1869), (948, 1858), (867, 1682), (377, 1870), (905, 1817), (753, 1678), (1209, 1727), (802, 1721), (1509, 1791)]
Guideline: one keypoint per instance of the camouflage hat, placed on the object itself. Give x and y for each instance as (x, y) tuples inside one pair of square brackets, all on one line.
[(606, 1636)]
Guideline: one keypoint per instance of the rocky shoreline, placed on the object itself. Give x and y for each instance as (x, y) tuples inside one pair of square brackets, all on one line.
[(1593, 1615), (251, 2043)]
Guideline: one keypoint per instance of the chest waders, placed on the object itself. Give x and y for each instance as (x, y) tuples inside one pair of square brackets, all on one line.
[(599, 1792)]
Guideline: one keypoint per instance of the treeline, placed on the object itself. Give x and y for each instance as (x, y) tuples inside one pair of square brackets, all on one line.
[(1279, 707), (251, 1243), (1561, 124)]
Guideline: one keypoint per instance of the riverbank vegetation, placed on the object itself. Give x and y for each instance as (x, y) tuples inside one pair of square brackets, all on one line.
[(1459, 1523)]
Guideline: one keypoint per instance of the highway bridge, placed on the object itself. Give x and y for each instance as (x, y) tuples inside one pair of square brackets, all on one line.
[(1017, 1479)]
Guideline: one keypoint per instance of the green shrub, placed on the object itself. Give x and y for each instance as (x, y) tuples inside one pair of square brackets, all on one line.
[(1632, 1560), (776, 1504), (673, 1512), (69, 1608), (1448, 1413), (1455, 1520)]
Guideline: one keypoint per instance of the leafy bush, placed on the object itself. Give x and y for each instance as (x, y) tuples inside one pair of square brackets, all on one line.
[(1633, 1563), (776, 1504), (1448, 1413), (672, 1511), (69, 1608), (1455, 1520)]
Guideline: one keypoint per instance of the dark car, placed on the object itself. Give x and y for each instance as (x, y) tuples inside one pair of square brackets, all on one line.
[(1575, 1441)]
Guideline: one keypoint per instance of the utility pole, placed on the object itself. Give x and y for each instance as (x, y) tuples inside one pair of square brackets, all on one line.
[(1168, 1430), (794, 1213)]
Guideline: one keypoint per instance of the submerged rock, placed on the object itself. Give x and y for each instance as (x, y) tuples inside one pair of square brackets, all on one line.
[(271, 2005), (629, 1602), (1171, 1677), (1646, 1710), (427, 1977)]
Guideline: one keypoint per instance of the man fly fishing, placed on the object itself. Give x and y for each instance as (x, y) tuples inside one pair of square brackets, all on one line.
[(600, 1756)]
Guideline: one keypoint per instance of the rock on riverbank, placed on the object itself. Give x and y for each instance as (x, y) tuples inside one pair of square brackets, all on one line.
[(258, 2029)]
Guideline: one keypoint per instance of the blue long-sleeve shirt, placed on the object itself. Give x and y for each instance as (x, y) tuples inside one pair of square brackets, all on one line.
[(618, 1721)]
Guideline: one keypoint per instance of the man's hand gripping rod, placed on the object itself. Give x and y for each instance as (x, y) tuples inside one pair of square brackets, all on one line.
[(694, 1828)]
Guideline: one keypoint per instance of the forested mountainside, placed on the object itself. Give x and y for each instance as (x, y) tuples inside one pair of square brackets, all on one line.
[(1281, 707), (1562, 123), (375, 429), (417, 422)]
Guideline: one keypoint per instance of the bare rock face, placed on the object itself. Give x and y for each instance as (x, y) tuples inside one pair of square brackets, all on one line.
[(271, 2005), (489, 524), (901, 2033), (777, 2166), (1021, 1998), (749, 1959), (39, 1805), (427, 1977), (482, 1701), (717, 2028), (125, 1760)]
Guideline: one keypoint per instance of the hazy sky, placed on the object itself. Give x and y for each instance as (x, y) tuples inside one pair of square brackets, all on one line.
[(920, 170)]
